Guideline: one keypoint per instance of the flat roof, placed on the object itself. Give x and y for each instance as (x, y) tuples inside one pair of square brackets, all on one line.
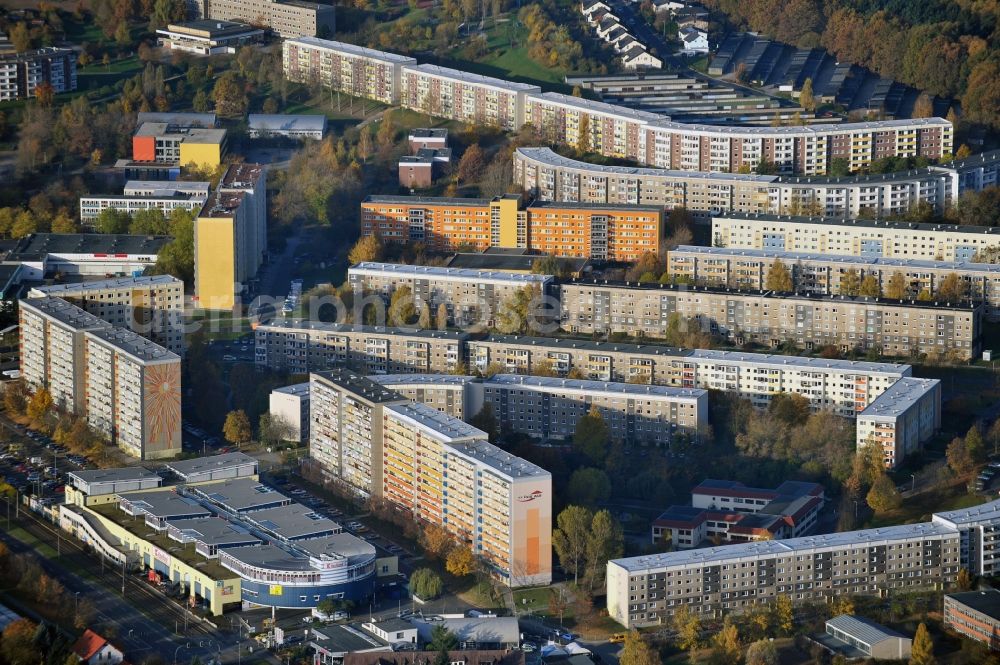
[(75, 288), (576, 205), (986, 512), (297, 389), (135, 345), (165, 504), (242, 176), (862, 223), (338, 546), (581, 386), (241, 494), (292, 521), (807, 363), (341, 639), (863, 630), (66, 313), (484, 452), (202, 465), (428, 132), (287, 122), (95, 476), (213, 531), (596, 107), (795, 130), (502, 630), (194, 134), (302, 324), (518, 262), (427, 200), (185, 186), (268, 556), (753, 550), (439, 425), (358, 384), (352, 49), (395, 380), (469, 77), (38, 246), (189, 119), (965, 266), (899, 398), (443, 273), (984, 601), (214, 27)]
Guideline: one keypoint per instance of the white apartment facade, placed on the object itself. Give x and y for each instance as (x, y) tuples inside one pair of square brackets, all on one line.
[(902, 418), (358, 71)]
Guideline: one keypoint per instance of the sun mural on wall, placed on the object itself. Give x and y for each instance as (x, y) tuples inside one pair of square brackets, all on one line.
[(163, 403)]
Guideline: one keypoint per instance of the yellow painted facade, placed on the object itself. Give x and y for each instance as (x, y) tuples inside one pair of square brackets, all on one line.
[(215, 263), (505, 210), (200, 155)]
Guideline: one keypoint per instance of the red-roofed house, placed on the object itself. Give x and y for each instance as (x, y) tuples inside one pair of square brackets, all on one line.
[(93, 649)]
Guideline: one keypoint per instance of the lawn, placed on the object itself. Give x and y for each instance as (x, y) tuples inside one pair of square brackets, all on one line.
[(920, 507), (519, 65)]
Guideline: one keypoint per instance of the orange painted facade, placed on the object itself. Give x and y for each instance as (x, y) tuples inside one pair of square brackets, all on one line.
[(144, 148)]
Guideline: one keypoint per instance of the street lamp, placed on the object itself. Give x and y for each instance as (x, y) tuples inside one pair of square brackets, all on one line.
[(913, 485), (183, 646)]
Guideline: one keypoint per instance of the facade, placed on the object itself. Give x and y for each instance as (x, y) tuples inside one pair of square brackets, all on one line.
[(902, 418), (305, 346), (436, 467), (639, 58), (355, 70), (824, 274), (549, 408), (895, 328), (550, 176), (430, 138), (457, 396), (863, 637), (230, 237), (693, 40), (853, 237), (601, 232), (164, 196), (22, 73), (260, 125), (287, 19), (290, 405), (472, 297), (725, 511), (471, 98), (163, 143), (127, 387), (152, 306), (208, 37), (86, 254), (975, 615)]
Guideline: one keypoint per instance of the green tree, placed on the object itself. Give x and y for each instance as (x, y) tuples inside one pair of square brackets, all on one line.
[(442, 639), (588, 487), (636, 651), (401, 308), (896, 287), (229, 95), (607, 542), (592, 436), (64, 223), (922, 649), (200, 102), (516, 311), (806, 98), (25, 223), (883, 495), (149, 222), (486, 421), (571, 538), (779, 278), (177, 256), (974, 445), (426, 584), (236, 429), (20, 36), (112, 220), (850, 283)]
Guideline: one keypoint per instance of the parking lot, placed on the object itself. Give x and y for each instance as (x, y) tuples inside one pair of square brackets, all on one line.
[(35, 464)]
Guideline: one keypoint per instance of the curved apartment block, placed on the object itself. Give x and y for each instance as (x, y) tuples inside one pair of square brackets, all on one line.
[(545, 174), (609, 129)]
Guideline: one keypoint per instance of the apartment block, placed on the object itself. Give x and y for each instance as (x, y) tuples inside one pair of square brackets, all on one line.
[(163, 195), (613, 131), (902, 418), (648, 590), (52, 352), (133, 392), (22, 73), (289, 405), (853, 237), (454, 395), (230, 237), (975, 615), (603, 232), (471, 296), (179, 144), (306, 346), (355, 70), (127, 387), (895, 328), (549, 408), (287, 19), (726, 511), (152, 306), (823, 274), (547, 175), (437, 468), (457, 95)]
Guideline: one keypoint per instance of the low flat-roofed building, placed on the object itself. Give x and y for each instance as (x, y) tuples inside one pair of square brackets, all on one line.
[(208, 37), (241, 495), (975, 615), (293, 522), (263, 125), (289, 405), (332, 643), (857, 637), (205, 120), (104, 254), (393, 630), (210, 534), (215, 467), (424, 137), (101, 485), (488, 632), (166, 201), (516, 260), (159, 507), (464, 657)]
